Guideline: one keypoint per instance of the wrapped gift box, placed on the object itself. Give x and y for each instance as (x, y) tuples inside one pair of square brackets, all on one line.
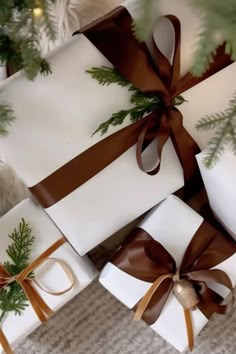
[(220, 186), (56, 116), (50, 275), (174, 236)]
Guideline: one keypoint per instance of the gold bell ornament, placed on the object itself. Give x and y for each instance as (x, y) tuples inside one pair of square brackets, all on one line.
[(186, 295)]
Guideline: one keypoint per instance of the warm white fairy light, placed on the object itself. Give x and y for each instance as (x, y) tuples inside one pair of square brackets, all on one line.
[(37, 11)]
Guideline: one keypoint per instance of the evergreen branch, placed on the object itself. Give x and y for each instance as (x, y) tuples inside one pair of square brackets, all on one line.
[(218, 26), (19, 250), (12, 296), (139, 98), (6, 117), (20, 35), (48, 21), (136, 113), (211, 122), (232, 136), (142, 26), (116, 119), (206, 49), (225, 122), (142, 103), (108, 76), (216, 147)]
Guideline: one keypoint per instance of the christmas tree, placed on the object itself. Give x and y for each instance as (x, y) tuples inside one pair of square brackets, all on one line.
[(20, 21), (19, 48)]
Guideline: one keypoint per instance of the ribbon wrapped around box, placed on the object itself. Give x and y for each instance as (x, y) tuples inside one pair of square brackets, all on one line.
[(73, 175), (220, 186), (59, 273), (172, 244)]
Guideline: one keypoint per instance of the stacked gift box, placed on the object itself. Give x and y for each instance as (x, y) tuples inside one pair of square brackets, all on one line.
[(90, 187)]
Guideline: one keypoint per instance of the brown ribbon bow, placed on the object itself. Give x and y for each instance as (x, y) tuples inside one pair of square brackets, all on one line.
[(113, 36), (146, 259), (28, 284)]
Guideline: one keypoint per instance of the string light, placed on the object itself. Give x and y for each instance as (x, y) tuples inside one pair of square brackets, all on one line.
[(38, 11)]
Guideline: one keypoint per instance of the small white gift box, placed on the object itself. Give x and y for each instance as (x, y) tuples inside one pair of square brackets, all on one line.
[(173, 224), (56, 115), (50, 274), (220, 186)]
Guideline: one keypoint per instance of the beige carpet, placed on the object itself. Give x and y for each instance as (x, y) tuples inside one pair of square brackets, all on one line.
[(96, 323)]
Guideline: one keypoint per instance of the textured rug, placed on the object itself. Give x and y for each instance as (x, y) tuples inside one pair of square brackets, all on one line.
[(96, 323)]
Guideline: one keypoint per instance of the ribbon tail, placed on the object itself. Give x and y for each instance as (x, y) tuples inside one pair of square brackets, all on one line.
[(162, 134), (213, 301), (4, 343), (40, 307), (189, 328), (143, 304), (185, 146)]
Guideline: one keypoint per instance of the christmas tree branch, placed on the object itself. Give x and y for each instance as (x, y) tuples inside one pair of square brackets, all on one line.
[(142, 27), (6, 117), (225, 125), (218, 26)]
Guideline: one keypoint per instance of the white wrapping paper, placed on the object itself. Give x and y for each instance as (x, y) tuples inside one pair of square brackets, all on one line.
[(51, 276), (56, 116), (173, 224), (220, 186)]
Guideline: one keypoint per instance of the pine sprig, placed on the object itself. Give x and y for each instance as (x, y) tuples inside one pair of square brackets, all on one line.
[(20, 35), (12, 296), (225, 125), (218, 26), (143, 104), (19, 251), (6, 117), (206, 49), (142, 26), (108, 76)]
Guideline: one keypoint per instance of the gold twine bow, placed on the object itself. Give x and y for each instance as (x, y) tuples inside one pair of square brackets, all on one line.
[(29, 284)]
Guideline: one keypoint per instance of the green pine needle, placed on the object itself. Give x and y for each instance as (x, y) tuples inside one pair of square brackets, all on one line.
[(20, 35), (6, 117), (12, 296), (225, 125), (218, 26), (108, 76), (143, 104), (142, 26)]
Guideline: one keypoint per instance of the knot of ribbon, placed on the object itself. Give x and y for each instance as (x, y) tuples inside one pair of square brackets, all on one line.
[(153, 74), (29, 283), (146, 259)]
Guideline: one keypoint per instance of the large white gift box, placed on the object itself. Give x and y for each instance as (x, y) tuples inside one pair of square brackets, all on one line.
[(50, 274), (173, 224), (56, 115), (220, 186)]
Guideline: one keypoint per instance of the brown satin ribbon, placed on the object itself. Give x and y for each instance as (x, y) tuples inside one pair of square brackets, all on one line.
[(29, 284), (112, 35), (146, 259)]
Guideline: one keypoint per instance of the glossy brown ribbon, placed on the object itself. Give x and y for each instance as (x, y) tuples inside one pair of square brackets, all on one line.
[(146, 259), (29, 284), (113, 36)]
